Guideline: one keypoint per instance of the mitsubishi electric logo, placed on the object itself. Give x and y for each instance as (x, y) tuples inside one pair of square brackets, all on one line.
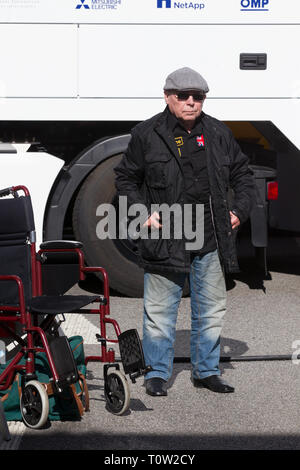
[(99, 4), (82, 4), (183, 5)]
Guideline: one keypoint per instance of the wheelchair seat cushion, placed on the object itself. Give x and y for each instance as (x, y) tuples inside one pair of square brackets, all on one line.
[(55, 304)]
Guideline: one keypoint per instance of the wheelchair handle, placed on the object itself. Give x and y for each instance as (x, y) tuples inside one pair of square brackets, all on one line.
[(13, 190), (5, 192)]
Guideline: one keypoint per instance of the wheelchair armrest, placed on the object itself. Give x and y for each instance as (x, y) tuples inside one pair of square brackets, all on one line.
[(18, 280), (60, 245), (60, 252)]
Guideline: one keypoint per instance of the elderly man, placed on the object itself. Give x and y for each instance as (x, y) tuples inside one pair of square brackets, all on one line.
[(183, 156)]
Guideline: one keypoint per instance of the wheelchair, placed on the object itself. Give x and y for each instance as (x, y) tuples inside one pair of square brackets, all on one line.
[(30, 311)]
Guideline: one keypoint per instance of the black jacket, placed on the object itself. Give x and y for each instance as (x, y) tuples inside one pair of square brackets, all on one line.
[(151, 173)]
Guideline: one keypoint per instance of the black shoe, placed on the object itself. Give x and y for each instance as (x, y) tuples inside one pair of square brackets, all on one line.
[(213, 383), (156, 387)]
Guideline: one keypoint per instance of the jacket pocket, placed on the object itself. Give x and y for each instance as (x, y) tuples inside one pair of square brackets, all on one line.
[(158, 170), (225, 160), (154, 250), (225, 168)]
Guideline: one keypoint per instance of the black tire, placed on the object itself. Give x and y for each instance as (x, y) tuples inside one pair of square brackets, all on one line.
[(116, 256), (117, 393), (34, 405)]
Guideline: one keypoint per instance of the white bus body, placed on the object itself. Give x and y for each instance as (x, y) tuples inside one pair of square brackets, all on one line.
[(82, 70)]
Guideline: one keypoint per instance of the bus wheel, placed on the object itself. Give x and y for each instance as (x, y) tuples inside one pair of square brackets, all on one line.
[(118, 257)]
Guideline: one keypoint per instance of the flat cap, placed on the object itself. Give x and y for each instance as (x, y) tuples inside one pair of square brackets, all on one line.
[(186, 79)]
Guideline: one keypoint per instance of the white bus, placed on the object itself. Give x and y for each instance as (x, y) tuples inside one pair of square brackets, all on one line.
[(77, 75)]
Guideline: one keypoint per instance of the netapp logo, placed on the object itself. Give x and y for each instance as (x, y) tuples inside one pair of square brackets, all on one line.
[(254, 5), (168, 4)]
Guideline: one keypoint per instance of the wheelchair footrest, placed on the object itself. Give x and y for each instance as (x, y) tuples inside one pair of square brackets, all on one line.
[(63, 359), (132, 355)]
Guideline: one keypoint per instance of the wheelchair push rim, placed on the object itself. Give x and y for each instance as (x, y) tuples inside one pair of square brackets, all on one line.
[(34, 405), (117, 392)]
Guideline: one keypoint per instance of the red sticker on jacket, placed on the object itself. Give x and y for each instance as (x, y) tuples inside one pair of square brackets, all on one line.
[(200, 141)]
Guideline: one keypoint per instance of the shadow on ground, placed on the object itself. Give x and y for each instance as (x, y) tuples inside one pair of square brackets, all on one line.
[(130, 442)]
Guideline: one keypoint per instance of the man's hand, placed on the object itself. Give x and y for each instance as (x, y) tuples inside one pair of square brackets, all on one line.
[(235, 221), (153, 221)]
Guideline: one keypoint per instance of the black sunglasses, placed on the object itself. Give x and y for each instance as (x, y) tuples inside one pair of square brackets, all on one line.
[(184, 96)]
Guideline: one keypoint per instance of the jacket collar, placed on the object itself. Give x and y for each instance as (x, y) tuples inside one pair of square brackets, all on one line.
[(164, 127)]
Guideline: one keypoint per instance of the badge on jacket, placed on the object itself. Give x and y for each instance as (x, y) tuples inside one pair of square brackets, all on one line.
[(200, 141), (179, 143)]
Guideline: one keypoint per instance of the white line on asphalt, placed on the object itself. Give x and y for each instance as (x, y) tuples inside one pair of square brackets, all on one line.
[(79, 325)]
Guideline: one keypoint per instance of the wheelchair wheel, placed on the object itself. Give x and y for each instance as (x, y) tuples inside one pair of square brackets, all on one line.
[(34, 405), (117, 392)]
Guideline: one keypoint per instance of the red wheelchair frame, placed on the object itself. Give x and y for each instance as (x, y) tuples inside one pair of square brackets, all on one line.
[(28, 321)]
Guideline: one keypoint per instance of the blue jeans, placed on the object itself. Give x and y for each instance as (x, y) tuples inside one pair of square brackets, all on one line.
[(162, 295)]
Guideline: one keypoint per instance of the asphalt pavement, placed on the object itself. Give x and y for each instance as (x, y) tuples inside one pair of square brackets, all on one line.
[(263, 319)]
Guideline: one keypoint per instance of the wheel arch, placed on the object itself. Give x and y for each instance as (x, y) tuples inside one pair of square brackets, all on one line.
[(72, 177)]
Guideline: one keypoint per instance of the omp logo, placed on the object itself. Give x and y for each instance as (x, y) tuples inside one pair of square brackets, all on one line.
[(166, 3), (82, 4), (254, 5)]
